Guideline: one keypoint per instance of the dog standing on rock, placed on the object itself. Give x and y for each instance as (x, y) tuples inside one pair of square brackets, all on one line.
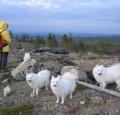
[(37, 81)]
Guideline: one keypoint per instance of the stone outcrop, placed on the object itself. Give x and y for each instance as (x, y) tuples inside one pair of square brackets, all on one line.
[(19, 72), (76, 71), (52, 50)]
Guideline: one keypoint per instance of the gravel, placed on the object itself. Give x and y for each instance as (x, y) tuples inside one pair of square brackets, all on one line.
[(84, 102)]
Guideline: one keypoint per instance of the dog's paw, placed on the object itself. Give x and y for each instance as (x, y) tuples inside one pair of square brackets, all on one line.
[(32, 95), (62, 102), (57, 101), (70, 96)]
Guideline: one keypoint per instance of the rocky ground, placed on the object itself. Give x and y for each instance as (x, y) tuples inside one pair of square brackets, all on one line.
[(85, 101)]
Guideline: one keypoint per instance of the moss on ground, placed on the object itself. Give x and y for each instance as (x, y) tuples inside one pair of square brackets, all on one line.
[(26, 109), (81, 87), (5, 76), (95, 113)]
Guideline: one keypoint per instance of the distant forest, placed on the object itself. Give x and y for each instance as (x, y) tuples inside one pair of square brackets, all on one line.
[(73, 43)]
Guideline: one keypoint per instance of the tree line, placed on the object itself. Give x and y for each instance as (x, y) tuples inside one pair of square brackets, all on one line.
[(70, 43)]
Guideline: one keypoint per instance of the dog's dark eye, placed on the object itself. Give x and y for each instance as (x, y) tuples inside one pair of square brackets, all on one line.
[(53, 82)]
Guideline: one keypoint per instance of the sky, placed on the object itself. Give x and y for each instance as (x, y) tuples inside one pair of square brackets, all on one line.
[(61, 16)]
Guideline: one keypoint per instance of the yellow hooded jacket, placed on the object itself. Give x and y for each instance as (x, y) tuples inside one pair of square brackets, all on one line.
[(5, 35)]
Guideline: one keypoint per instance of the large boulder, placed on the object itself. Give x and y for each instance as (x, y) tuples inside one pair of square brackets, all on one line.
[(59, 51), (52, 50), (76, 70), (89, 55)]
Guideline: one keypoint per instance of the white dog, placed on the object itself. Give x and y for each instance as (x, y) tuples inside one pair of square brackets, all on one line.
[(7, 90), (26, 57), (37, 81), (63, 86), (105, 75)]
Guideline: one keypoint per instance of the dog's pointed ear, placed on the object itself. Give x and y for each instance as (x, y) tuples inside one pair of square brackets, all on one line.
[(97, 65), (53, 77)]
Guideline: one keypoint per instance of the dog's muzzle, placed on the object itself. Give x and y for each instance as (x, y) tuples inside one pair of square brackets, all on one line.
[(99, 74)]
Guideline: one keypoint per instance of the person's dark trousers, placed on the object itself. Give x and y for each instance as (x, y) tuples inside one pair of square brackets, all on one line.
[(0, 59), (4, 62), (3, 59)]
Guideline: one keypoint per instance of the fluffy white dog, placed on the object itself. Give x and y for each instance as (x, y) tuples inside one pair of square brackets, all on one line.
[(105, 75), (37, 81), (63, 86), (26, 57)]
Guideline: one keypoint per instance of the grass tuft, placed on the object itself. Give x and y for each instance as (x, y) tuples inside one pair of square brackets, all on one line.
[(16, 110), (95, 113), (81, 87), (5, 76)]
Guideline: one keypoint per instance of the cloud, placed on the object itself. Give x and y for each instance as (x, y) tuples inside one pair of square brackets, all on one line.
[(45, 4), (61, 15), (64, 5)]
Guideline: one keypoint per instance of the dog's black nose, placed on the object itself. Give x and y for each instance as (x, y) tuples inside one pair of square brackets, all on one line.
[(54, 85), (99, 74)]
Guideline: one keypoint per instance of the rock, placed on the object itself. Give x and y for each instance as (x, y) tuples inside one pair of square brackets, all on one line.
[(1, 99), (52, 50), (73, 110), (68, 69), (20, 76), (91, 55), (5, 82), (74, 56), (42, 49), (19, 72), (53, 66), (21, 113), (60, 109), (57, 68), (77, 71), (97, 100), (59, 113), (103, 113), (67, 63), (82, 102), (59, 51)]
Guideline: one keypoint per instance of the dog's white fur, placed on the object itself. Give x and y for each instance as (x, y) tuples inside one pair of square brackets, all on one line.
[(26, 57), (63, 86), (37, 81), (105, 75), (7, 90)]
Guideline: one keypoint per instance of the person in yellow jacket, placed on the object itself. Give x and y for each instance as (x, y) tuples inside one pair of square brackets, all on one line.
[(6, 45)]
